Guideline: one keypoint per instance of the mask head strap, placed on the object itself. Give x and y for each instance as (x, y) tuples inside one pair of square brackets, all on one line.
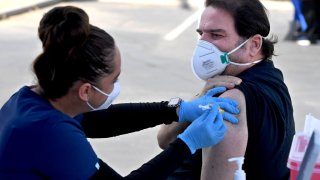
[(235, 49), (225, 56)]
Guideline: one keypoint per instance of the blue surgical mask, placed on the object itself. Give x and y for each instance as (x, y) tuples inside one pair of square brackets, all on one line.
[(208, 61), (110, 97)]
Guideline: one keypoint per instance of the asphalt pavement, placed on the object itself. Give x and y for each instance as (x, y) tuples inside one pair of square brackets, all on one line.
[(9, 8), (156, 40)]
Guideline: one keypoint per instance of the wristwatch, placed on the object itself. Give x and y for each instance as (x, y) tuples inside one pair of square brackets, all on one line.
[(174, 102)]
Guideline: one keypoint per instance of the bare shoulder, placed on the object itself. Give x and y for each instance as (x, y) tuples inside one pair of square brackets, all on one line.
[(215, 163), (238, 96), (235, 94), (236, 133)]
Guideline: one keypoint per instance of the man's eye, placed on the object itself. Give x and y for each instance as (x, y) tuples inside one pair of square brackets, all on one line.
[(216, 35)]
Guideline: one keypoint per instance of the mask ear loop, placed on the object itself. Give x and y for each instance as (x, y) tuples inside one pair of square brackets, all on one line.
[(97, 89), (100, 91)]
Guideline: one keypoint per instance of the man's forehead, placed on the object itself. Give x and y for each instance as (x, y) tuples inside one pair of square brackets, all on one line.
[(216, 20), (213, 27)]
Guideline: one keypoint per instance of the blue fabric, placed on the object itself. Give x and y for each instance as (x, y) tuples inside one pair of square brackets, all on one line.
[(298, 15), (37, 141)]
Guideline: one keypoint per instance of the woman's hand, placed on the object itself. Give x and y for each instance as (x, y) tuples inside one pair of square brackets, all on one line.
[(207, 130), (191, 110)]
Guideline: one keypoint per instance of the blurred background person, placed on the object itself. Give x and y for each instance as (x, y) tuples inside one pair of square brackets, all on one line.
[(306, 25)]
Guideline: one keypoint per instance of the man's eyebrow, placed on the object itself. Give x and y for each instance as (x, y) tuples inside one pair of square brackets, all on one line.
[(211, 30)]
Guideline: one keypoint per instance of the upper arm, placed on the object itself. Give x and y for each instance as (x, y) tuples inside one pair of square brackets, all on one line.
[(215, 163)]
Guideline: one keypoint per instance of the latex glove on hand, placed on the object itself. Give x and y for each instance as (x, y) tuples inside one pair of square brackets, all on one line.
[(191, 110), (224, 108), (205, 131)]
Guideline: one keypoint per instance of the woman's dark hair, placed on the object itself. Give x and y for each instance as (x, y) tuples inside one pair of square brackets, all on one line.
[(250, 18), (73, 50)]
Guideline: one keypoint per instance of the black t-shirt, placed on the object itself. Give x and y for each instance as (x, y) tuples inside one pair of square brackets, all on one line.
[(270, 126), (270, 122)]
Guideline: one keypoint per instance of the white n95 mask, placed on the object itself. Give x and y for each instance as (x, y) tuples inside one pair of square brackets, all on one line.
[(110, 97), (208, 61)]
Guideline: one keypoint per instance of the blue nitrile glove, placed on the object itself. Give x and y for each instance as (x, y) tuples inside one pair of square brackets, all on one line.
[(191, 110), (227, 106), (205, 131)]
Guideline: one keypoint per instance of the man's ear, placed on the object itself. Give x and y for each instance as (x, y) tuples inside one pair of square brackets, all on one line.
[(84, 91), (255, 45)]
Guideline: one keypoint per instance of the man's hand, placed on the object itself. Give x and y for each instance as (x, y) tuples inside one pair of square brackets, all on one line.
[(228, 82)]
